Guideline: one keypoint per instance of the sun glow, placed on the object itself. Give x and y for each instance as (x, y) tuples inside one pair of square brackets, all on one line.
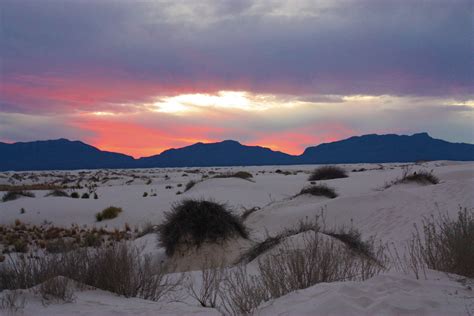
[(241, 100)]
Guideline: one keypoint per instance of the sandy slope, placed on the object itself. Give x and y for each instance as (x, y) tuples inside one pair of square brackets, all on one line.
[(388, 214)]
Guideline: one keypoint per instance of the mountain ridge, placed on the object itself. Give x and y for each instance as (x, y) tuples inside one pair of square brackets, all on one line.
[(64, 154)]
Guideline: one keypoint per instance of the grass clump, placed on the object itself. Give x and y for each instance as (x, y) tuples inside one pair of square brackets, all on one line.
[(319, 190), (446, 244), (327, 173), (193, 222), (422, 177), (57, 193), (13, 195), (240, 174), (189, 185), (108, 213)]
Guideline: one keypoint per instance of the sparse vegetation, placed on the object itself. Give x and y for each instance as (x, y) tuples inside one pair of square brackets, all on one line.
[(118, 268), (75, 195), (57, 193), (85, 195), (445, 244), (13, 195), (319, 190), (108, 213), (57, 288), (189, 185), (193, 222), (327, 173), (421, 177), (239, 174)]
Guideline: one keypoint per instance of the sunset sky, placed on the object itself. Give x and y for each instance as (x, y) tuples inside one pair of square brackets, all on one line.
[(139, 77)]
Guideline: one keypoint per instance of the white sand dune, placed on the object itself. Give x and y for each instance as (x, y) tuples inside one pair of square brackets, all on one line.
[(388, 214)]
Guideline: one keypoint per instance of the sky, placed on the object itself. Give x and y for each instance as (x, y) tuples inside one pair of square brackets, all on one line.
[(139, 77)]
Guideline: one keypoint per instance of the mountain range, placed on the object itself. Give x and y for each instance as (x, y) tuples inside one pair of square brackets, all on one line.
[(63, 154)]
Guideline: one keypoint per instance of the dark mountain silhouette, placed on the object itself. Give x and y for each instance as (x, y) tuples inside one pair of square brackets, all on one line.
[(226, 153), (60, 154), (387, 148), (65, 154)]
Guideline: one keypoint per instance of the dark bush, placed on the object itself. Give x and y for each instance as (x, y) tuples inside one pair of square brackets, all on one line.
[(319, 190), (108, 213), (145, 194), (75, 195), (59, 193), (327, 173), (13, 195), (85, 196), (193, 222)]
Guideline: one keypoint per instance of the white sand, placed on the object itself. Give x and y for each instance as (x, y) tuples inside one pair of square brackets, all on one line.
[(388, 214)]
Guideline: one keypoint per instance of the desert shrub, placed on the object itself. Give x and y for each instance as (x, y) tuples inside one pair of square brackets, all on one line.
[(118, 268), (95, 196), (319, 190), (85, 195), (13, 195), (352, 238), (423, 177), (57, 288), (193, 222), (327, 173), (239, 174), (207, 292), (58, 193), (91, 240), (445, 244), (270, 242), (20, 245), (319, 260), (189, 185), (58, 245), (145, 194), (108, 213), (242, 292), (75, 195), (12, 301)]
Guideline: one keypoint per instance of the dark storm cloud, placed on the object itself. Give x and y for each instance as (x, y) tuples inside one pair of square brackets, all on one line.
[(342, 47)]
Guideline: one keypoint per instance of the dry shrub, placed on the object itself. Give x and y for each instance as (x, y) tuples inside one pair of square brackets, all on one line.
[(12, 301), (271, 241), (118, 268), (108, 213), (239, 174), (444, 244), (193, 222), (319, 260), (292, 268), (319, 190), (241, 292), (16, 194), (421, 177), (327, 173), (208, 292), (58, 288), (57, 193), (189, 185)]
